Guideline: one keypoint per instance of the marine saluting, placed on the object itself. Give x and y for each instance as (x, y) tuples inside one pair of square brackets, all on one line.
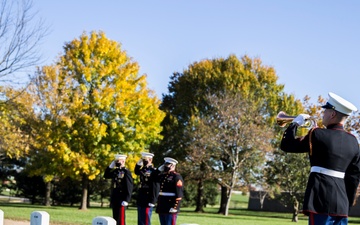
[(147, 192), (122, 187)]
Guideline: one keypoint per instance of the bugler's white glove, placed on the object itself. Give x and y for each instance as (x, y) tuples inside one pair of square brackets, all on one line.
[(161, 168), (151, 205), (140, 162), (300, 119), (172, 210), (124, 203), (112, 165)]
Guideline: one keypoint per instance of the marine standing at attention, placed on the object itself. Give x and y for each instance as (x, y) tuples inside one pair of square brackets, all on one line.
[(335, 163), (170, 192)]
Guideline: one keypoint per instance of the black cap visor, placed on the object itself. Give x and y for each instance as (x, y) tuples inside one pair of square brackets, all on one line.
[(328, 106)]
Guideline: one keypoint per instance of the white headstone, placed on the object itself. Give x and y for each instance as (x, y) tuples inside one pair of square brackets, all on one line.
[(103, 220), (1, 217), (39, 218)]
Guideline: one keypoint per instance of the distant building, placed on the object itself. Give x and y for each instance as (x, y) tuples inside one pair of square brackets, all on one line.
[(260, 201)]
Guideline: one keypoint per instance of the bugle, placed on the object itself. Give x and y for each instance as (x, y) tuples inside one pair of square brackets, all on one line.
[(282, 119)]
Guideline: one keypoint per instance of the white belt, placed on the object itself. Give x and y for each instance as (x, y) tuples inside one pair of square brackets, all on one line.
[(167, 194), (332, 173)]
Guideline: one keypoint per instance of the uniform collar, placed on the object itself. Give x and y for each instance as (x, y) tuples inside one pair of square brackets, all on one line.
[(335, 126)]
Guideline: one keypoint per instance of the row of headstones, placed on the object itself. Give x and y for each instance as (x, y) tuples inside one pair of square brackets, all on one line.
[(43, 218)]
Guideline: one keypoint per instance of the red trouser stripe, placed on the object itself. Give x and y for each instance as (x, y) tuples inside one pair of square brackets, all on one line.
[(311, 219), (147, 215), (173, 221), (122, 215)]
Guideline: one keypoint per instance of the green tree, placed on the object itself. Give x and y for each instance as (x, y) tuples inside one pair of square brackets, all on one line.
[(95, 104), (187, 100), (31, 187)]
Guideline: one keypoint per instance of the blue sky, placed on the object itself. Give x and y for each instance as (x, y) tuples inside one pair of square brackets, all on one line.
[(314, 45)]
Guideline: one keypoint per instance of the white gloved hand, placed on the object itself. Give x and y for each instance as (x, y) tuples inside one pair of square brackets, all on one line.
[(151, 205), (140, 162), (124, 203), (112, 165), (172, 210), (301, 119), (161, 168)]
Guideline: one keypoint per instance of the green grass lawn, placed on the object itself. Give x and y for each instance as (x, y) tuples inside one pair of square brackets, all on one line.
[(73, 216), (238, 215)]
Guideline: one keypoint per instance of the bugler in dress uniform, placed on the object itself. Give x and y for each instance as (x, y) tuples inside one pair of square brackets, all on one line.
[(170, 192), (335, 163), (147, 194), (122, 186)]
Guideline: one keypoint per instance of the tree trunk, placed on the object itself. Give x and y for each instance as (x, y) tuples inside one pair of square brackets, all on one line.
[(296, 211), (223, 200), (228, 201), (88, 196), (200, 197), (262, 196), (84, 197), (47, 194)]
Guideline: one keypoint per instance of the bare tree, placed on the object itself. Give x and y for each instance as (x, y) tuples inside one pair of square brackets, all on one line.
[(230, 142), (20, 36)]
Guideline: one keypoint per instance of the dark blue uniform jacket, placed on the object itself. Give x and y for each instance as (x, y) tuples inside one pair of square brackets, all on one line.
[(171, 188), (335, 149), (122, 182), (147, 191)]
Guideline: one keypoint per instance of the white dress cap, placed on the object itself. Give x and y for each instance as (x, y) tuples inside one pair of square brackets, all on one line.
[(119, 156), (147, 155), (339, 104), (170, 160)]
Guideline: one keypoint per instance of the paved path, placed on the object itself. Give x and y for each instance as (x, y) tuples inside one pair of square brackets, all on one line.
[(15, 222), (18, 222)]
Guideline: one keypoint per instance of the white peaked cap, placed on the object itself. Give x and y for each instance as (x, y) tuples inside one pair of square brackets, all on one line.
[(119, 156), (147, 154), (170, 160), (339, 104)]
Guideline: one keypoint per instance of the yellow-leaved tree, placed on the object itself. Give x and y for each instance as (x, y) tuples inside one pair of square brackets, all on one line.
[(15, 132), (95, 104)]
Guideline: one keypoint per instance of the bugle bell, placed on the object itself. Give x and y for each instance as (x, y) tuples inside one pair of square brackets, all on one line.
[(282, 119)]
